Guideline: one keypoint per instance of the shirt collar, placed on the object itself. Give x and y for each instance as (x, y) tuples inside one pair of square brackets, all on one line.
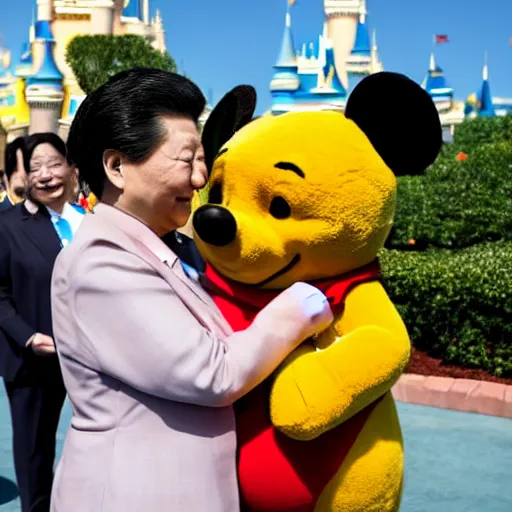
[(31, 207)]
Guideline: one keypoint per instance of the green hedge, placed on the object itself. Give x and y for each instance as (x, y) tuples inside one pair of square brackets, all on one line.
[(456, 204), (482, 130), (457, 305)]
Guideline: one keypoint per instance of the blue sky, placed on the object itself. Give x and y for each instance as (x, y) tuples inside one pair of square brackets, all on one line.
[(226, 42)]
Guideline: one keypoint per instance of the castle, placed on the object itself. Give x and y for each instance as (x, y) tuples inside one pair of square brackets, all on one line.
[(321, 75), (40, 93)]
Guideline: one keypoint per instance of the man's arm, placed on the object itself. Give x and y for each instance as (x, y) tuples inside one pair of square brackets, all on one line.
[(133, 327), (12, 324)]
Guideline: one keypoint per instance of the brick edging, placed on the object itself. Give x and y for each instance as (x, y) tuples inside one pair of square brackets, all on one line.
[(466, 395)]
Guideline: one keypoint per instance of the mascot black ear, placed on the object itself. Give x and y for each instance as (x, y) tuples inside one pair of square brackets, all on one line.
[(232, 112), (400, 120)]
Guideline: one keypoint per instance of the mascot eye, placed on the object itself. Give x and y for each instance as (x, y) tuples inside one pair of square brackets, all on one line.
[(215, 196), (279, 208)]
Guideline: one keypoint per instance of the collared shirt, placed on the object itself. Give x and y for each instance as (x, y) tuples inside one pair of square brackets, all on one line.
[(72, 214)]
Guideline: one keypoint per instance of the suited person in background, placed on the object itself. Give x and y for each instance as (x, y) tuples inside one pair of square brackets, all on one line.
[(32, 234), (15, 176)]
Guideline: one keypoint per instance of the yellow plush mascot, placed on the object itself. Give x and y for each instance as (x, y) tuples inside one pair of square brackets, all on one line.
[(310, 196)]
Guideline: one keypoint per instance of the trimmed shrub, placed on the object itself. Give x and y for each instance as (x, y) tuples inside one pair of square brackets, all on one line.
[(457, 305), (482, 130), (456, 204)]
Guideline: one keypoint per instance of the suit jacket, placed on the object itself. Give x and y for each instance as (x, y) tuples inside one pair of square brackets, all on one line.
[(28, 248), (152, 369)]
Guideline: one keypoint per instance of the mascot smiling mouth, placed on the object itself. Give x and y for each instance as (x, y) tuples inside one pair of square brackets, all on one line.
[(279, 273)]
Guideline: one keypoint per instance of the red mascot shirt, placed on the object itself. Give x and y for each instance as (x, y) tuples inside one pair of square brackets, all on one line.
[(276, 473)]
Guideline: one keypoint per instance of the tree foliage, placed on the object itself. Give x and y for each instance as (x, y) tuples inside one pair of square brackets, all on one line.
[(96, 58)]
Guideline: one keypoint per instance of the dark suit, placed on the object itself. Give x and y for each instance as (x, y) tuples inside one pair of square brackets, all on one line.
[(185, 248), (28, 248), (5, 204)]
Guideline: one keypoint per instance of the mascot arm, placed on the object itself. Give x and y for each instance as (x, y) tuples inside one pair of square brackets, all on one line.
[(316, 390)]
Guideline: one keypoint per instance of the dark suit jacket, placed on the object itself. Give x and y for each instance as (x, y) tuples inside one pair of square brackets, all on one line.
[(185, 248), (29, 246), (5, 204)]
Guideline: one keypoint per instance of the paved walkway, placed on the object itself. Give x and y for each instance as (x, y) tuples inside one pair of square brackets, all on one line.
[(456, 461)]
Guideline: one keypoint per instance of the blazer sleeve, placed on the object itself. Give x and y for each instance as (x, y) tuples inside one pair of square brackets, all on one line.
[(12, 324), (132, 326)]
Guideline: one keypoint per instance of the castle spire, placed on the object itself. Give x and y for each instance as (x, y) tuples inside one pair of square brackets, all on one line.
[(286, 79), (287, 56), (485, 97), (363, 12), (44, 92), (432, 66)]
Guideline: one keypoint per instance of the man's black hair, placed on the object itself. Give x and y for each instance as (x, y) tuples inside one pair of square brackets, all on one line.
[(125, 115)]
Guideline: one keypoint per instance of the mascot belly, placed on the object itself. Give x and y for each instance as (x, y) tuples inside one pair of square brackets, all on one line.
[(277, 473)]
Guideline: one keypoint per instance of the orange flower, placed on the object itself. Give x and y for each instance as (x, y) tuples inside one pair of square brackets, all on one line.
[(461, 156), (412, 241)]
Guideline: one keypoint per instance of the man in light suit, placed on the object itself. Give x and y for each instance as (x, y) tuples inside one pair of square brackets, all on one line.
[(150, 365)]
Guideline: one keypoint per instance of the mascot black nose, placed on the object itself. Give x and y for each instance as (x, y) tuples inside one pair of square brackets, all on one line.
[(215, 225)]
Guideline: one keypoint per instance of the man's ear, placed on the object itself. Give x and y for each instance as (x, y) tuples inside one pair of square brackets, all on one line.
[(113, 168), (232, 112), (400, 120)]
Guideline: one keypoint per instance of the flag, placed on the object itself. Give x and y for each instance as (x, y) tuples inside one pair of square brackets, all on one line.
[(441, 38)]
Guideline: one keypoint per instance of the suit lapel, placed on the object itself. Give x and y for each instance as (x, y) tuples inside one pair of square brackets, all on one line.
[(39, 229), (174, 274)]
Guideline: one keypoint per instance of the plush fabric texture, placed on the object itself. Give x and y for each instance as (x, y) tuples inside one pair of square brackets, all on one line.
[(313, 201), (293, 473), (241, 303)]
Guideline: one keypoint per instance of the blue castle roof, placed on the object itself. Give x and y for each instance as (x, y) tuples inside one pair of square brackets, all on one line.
[(486, 105), (48, 72), (133, 9), (287, 55), (318, 86), (330, 65), (436, 85), (362, 41), (43, 30)]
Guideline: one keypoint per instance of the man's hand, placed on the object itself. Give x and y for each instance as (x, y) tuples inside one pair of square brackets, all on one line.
[(42, 345)]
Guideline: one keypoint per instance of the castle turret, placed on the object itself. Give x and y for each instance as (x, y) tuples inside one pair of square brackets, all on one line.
[(286, 79), (102, 16), (436, 85), (485, 102), (132, 9), (359, 60), (375, 62), (44, 92), (343, 17), (145, 11), (158, 32), (41, 31)]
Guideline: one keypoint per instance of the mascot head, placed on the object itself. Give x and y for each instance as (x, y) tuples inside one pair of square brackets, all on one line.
[(310, 195)]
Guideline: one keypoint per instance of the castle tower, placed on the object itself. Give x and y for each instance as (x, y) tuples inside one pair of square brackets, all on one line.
[(286, 79), (158, 32), (102, 16), (343, 17), (44, 92), (486, 105), (132, 18), (41, 31)]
